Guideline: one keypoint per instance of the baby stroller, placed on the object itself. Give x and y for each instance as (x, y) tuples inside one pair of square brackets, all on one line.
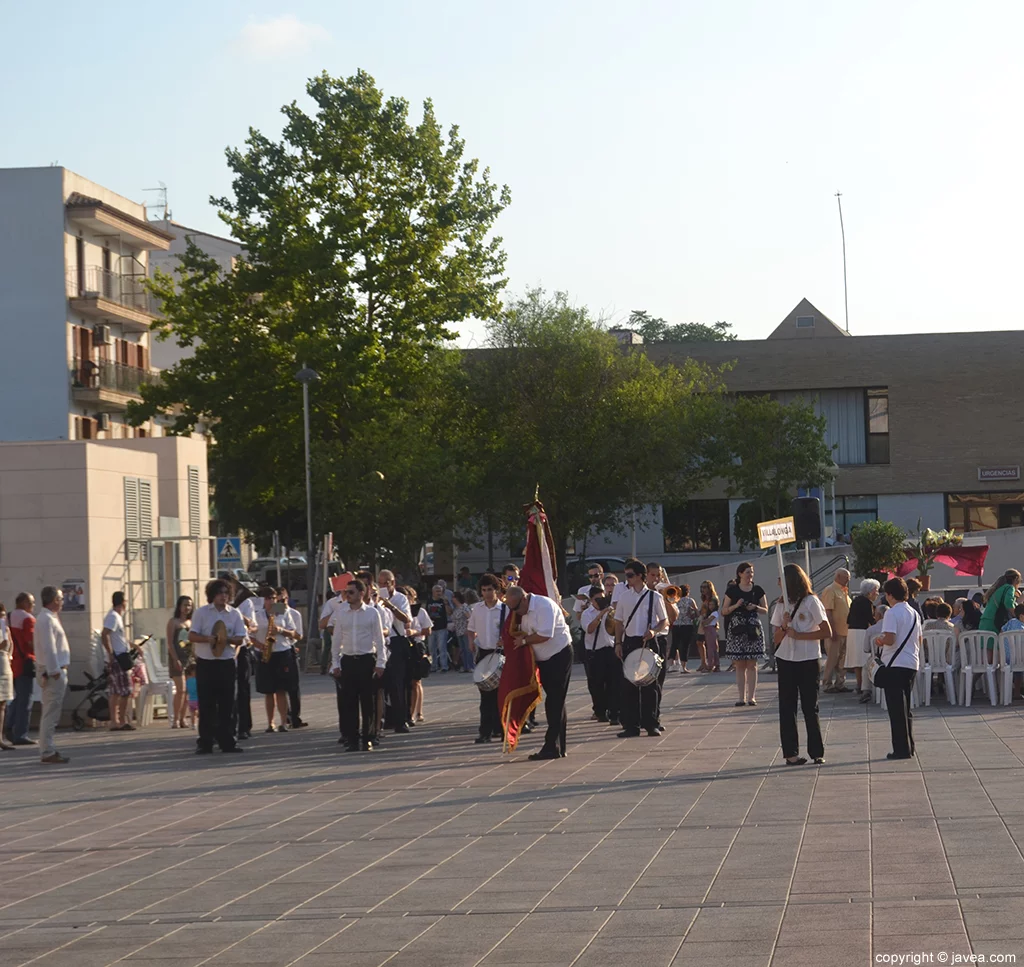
[(95, 698)]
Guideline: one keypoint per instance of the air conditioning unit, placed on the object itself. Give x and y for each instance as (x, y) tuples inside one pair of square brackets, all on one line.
[(101, 335), (103, 421)]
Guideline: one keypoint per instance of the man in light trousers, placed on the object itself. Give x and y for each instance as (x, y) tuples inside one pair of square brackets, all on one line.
[(53, 656), (836, 599)]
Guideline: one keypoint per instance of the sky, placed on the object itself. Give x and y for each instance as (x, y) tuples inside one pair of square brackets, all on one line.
[(679, 157)]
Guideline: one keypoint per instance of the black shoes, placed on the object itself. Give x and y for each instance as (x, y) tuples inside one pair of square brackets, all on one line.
[(527, 728), (628, 734), (892, 755), (403, 730), (481, 739), (653, 733), (234, 748), (545, 754), (204, 751), (244, 735), (613, 720)]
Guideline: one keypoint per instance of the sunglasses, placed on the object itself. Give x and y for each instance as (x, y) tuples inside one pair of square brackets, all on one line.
[(630, 574), (350, 593)]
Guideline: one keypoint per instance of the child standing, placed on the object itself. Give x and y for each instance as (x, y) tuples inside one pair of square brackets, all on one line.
[(193, 695)]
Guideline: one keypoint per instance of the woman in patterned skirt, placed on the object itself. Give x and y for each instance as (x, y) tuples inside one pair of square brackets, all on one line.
[(744, 604)]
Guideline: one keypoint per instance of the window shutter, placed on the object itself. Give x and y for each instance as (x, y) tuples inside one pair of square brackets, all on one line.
[(193, 502), (145, 509), (131, 517)]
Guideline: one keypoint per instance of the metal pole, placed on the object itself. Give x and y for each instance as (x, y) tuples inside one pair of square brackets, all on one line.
[(807, 557), (632, 547), (310, 552), (842, 229)]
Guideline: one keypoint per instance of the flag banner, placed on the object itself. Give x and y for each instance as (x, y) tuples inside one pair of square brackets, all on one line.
[(965, 561), (519, 689)]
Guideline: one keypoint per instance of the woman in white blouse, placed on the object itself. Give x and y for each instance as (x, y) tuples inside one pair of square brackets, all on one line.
[(798, 632)]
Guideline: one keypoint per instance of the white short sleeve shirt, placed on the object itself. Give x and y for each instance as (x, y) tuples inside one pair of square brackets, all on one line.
[(595, 640), (114, 623), (901, 621), (809, 615), (545, 618), (202, 624)]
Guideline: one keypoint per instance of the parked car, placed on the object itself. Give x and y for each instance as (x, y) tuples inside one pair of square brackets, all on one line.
[(576, 570)]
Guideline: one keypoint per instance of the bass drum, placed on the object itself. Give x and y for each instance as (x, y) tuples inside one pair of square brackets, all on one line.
[(487, 673), (641, 667)]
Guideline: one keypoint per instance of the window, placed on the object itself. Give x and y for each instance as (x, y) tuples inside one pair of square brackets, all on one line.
[(805, 322), (985, 512), (877, 414), (697, 525), (138, 515), (850, 511), (194, 519)]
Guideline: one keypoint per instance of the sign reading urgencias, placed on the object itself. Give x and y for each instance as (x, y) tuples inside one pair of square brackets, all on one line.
[(772, 532)]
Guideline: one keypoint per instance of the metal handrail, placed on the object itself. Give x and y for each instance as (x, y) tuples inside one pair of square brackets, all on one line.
[(125, 290), (105, 374), (840, 560)]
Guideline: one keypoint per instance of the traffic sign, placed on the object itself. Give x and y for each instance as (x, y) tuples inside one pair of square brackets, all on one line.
[(229, 552)]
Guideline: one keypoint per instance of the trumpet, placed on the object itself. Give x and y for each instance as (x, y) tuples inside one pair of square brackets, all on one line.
[(609, 622), (269, 638), (672, 593)]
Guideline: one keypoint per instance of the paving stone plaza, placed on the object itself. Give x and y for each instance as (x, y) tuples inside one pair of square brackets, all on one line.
[(696, 848)]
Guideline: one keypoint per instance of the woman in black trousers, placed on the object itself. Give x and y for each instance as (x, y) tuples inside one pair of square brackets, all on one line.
[(798, 633)]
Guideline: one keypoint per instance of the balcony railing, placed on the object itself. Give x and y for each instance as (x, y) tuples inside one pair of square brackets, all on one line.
[(125, 290), (87, 374)]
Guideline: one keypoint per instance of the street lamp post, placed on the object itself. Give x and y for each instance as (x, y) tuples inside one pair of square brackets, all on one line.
[(306, 376)]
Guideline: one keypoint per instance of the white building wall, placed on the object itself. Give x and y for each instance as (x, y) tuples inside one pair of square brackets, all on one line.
[(905, 510), (34, 384)]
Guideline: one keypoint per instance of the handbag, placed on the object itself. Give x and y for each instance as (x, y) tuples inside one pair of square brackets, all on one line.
[(126, 660), (877, 671)]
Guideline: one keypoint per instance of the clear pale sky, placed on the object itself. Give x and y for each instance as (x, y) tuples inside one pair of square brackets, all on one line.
[(680, 157)]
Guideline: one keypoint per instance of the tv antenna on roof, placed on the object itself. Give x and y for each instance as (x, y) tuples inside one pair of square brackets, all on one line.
[(846, 297), (161, 199)]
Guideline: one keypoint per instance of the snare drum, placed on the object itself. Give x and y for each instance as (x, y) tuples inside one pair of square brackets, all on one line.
[(641, 667), (487, 673)]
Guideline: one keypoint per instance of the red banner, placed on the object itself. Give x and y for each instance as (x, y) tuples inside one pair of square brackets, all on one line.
[(966, 561), (519, 689)]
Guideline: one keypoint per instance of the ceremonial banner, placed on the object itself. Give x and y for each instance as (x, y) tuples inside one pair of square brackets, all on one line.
[(966, 561), (519, 689)]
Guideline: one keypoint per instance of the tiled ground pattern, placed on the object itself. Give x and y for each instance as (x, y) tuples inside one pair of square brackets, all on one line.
[(698, 848)]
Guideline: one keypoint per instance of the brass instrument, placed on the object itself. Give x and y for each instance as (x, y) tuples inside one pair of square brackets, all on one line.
[(220, 638), (673, 593), (269, 638), (609, 622)]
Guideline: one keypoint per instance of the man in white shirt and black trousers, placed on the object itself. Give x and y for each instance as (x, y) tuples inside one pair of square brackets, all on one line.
[(397, 606), (357, 646), (604, 674), (486, 620), (543, 628), (215, 674), (640, 617)]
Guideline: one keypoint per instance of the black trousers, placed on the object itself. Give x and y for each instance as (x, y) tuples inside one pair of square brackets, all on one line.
[(490, 714), (604, 678), (339, 697), (395, 674), (899, 682), (659, 685), (639, 708), (359, 696), (215, 685), (294, 692), (799, 679), (682, 639), (241, 720), (555, 673)]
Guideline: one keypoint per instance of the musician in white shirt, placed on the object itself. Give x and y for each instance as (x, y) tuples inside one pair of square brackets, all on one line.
[(215, 674), (543, 628), (582, 601), (397, 607), (604, 674), (245, 603), (486, 620), (640, 617), (274, 660), (294, 634), (358, 657)]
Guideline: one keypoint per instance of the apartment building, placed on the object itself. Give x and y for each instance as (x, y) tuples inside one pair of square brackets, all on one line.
[(73, 257)]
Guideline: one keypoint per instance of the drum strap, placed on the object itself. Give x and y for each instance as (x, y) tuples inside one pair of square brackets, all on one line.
[(650, 610)]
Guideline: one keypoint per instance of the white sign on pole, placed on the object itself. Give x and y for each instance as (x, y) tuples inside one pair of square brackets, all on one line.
[(778, 532)]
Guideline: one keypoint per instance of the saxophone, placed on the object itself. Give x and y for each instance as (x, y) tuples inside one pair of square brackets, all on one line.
[(269, 638)]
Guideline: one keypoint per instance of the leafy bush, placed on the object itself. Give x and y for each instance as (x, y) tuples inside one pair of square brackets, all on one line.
[(878, 547)]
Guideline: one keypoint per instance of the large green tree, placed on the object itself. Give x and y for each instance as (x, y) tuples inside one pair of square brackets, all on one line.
[(599, 427), (770, 449), (366, 237), (654, 329)]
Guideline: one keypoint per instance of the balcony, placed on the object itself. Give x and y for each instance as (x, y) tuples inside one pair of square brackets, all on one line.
[(102, 219), (108, 384), (110, 295)]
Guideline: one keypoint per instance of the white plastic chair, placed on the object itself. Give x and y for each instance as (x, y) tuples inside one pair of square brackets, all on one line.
[(938, 656), (975, 660), (160, 686), (1014, 641)]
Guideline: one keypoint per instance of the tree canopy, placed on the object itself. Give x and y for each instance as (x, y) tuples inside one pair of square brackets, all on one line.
[(599, 427), (658, 330), (366, 237)]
